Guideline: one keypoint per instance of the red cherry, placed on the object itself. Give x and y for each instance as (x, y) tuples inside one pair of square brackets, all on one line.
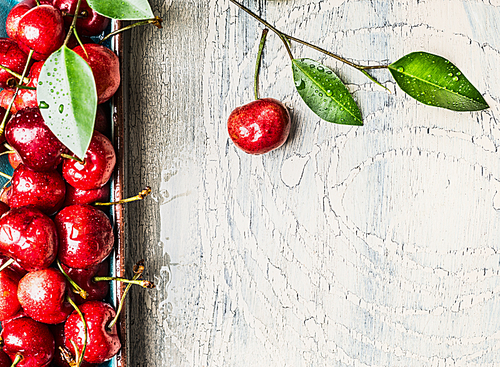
[(44, 190), (31, 339), (103, 343), (13, 266), (105, 67), (14, 160), (58, 332), (28, 236), (99, 162), (41, 29), (97, 291), (259, 126), (37, 146), (4, 359), (15, 15), (9, 304), (26, 98), (78, 196), (42, 295), (89, 23), (11, 57), (101, 121), (85, 236)]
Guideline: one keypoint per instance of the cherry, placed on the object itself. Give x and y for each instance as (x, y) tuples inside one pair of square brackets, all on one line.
[(6, 96), (28, 236), (98, 165), (89, 23), (26, 98), (103, 343), (13, 265), (97, 291), (11, 57), (59, 360), (42, 295), (4, 359), (259, 126), (15, 15), (4, 195), (44, 190), (78, 196), (9, 304), (41, 29), (105, 67), (101, 121), (4, 208), (85, 234), (14, 160), (30, 340), (37, 146)]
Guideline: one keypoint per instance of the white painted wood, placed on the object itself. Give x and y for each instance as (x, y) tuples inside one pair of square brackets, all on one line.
[(349, 246)]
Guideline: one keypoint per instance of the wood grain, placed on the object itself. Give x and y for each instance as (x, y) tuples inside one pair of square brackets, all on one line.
[(349, 246)]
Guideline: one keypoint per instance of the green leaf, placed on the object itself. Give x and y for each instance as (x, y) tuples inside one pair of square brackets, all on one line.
[(67, 99), (435, 81), (122, 9), (324, 93)]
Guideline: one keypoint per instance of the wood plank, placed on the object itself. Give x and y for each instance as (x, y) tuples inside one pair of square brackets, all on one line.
[(349, 246)]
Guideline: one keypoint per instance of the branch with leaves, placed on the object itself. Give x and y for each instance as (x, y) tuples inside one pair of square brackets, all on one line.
[(430, 79)]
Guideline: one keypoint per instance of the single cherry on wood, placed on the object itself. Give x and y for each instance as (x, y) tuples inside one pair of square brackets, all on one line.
[(262, 125)]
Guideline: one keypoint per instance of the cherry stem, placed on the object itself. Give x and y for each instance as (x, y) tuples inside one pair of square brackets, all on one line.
[(83, 14), (4, 121), (13, 73), (284, 37), (280, 34), (6, 176), (16, 361), (79, 358), (143, 283), (37, 2), (257, 63), (139, 196), (155, 21), (80, 43), (6, 265), (138, 270), (17, 85), (7, 146), (76, 288), (73, 23), (7, 152), (67, 156)]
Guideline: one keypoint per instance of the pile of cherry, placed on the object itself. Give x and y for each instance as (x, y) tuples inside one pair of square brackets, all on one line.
[(54, 240)]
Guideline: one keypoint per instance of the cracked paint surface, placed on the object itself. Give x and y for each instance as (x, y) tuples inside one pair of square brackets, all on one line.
[(368, 246)]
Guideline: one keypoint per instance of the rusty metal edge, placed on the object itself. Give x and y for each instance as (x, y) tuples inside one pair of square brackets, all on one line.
[(118, 193)]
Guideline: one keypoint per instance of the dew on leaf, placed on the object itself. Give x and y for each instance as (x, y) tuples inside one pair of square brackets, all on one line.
[(43, 105), (61, 108), (401, 69), (328, 92), (300, 84), (455, 78), (320, 68)]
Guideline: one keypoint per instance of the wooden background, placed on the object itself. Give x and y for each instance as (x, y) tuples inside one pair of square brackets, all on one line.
[(349, 246)]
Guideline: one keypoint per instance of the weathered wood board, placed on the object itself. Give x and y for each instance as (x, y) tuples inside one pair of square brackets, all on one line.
[(349, 246)]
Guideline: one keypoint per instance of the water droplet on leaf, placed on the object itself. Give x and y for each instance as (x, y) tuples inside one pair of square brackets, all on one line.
[(43, 105), (401, 69), (61, 108)]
